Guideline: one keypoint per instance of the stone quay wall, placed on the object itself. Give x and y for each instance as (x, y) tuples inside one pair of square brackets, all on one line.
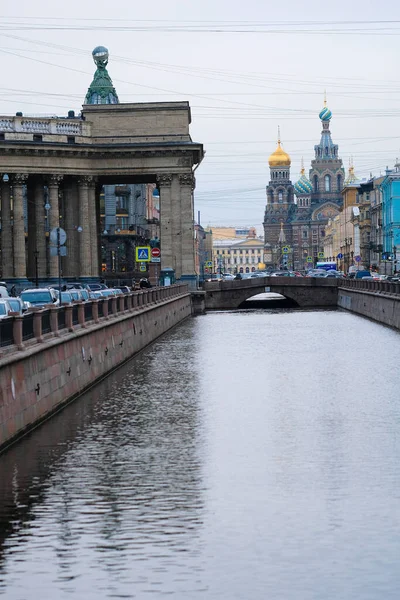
[(39, 375), (379, 301)]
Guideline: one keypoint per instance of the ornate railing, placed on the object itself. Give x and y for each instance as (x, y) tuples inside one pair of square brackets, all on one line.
[(38, 325), (47, 126)]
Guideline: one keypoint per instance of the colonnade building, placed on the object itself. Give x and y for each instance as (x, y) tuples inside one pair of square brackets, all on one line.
[(53, 170)]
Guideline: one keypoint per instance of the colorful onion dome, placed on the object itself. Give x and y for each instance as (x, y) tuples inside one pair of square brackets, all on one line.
[(325, 114), (303, 185), (279, 158)]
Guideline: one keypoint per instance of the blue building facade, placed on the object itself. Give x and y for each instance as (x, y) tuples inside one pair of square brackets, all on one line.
[(390, 188)]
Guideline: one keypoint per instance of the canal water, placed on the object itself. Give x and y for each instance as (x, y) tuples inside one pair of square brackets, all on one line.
[(251, 455)]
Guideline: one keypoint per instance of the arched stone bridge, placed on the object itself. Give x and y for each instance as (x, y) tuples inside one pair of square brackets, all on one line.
[(303, 291)]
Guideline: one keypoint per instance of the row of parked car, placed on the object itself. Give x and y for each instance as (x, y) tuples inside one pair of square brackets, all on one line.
[(37, 297)]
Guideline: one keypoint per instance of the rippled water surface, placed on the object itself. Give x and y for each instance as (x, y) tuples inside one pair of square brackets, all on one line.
[(251, 455)]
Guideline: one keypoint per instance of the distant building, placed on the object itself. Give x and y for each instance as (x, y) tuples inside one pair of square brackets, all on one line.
[(303, 222), (238, 255), (390, 188)]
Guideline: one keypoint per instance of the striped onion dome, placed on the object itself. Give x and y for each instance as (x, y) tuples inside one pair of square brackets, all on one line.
[(325, 114), (303, 185)]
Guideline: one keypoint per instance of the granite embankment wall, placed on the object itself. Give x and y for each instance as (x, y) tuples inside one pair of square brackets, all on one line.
[(40, 374), (379, 301)]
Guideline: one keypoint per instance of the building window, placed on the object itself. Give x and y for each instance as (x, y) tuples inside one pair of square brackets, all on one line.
[(305, 234), (280, 197), (327, 183), (339, 182), (316, 186), (37, 137)]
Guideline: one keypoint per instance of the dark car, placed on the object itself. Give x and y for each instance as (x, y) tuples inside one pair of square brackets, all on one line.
[(362, 274)]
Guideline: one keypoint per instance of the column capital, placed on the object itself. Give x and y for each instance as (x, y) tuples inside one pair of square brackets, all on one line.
[(55, 180), (164, 179), (19, 178), (187, 179), (85, 180)]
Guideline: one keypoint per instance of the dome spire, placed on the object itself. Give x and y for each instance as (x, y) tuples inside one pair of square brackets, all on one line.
[(303, 186), (325, 115), (101, 90), (279, 158)]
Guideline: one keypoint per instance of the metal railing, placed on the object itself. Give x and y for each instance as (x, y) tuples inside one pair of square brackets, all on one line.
[(40, 324)]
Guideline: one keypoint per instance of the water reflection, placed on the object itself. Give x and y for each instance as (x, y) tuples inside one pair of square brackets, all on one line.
[(244, 455)]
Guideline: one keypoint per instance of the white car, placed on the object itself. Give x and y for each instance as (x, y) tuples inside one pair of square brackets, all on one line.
[(5, 308), (40, 296)]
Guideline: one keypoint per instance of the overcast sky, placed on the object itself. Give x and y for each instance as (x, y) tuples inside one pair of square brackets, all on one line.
[(245, 67)]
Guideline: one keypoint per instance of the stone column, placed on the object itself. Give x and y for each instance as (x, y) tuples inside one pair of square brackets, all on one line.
[(168, 186), (54, 220), (187, 251), (40, 233), (6, 232), (31, 245), (85, 255), (18, 182), (71, 220), (94, 243)]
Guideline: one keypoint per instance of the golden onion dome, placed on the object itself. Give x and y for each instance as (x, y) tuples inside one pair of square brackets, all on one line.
[(279, 158)]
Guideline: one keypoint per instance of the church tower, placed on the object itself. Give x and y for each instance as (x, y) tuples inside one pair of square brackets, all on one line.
[(327, 172), (280, 205)]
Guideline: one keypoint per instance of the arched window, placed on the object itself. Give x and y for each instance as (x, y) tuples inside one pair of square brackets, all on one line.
[(316, 186), (327, 183), (326, 150), (280, 197), (339, 182)]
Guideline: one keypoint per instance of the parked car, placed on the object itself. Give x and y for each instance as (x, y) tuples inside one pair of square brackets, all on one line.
[(5, 308), (66, 298), (17, 305), (40, 296), (362, 274), (76, 295), (96, 286), (109, 292), (75, 286), (124, 289), (4, 292)]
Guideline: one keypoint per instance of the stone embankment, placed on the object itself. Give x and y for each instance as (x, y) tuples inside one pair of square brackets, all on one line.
[(377, 300), (50, 356)]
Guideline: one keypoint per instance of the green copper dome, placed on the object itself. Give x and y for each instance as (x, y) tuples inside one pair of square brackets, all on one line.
[(101, 90)]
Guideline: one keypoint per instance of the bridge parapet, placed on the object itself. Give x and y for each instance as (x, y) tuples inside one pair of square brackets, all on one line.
[(303, 291)]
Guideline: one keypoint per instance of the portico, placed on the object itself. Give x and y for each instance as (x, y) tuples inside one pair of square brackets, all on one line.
[(52, 171)]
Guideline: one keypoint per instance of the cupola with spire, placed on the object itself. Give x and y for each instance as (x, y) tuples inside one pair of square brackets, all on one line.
[(279, 158), (101, 90), (351, 178), (303, 185), (326, 113)]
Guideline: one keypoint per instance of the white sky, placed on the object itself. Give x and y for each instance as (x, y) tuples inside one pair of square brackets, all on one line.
[(241, 85)]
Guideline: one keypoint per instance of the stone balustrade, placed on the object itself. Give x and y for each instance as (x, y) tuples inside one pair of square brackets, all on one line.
[(41, 324), (44, 125), (385, 287)]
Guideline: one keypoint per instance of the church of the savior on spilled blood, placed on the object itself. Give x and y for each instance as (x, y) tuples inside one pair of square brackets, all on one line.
[(294, 231)]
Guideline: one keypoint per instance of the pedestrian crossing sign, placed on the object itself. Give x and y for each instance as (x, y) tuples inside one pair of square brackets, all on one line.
[(143, 254)]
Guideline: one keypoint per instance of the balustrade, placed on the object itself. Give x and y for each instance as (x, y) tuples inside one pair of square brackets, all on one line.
[(38, 324)]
